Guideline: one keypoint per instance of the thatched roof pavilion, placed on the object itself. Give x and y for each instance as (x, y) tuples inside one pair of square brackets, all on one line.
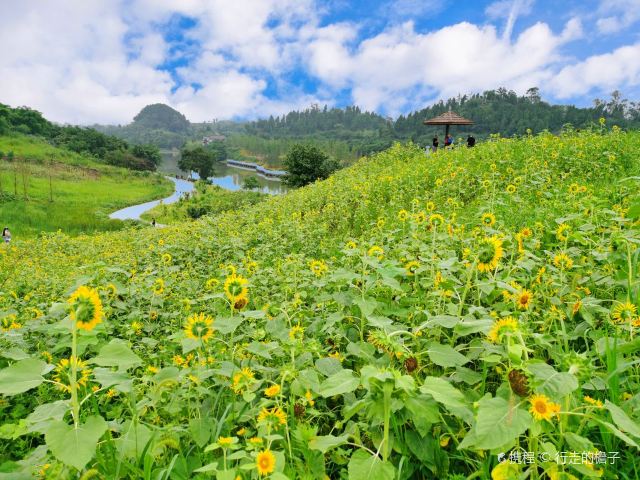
[(447, 119)]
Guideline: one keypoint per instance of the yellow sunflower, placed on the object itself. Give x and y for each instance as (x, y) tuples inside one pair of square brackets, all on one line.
[(272, 391), (430, 206), (86, 308), (252, 267), (562, 261), (526, 232), (265, 462), (403, 215), (376, 251), (411, 267), (593, 401), (490, 254), (420, 217), (158, 286), (523, 299), (624, 312), (511, 188), (199, 327), (318, 267), (562, 232), (225, 442), (436, 219), (275, 417), (488, 219), (242, 380), (63, 373), (542, 408), (10, 322), (296, 333), (235, 287), (504, 326)]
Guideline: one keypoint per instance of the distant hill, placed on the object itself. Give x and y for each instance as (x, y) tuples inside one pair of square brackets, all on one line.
[(166, 128), (350, 132), (161, 117)]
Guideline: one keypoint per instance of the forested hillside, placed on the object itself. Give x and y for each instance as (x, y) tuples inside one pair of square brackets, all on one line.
[(348, 133), (86, 141), (504, 112), (494, 112)]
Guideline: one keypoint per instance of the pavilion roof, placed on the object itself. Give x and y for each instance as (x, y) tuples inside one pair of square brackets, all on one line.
[(448, 118)]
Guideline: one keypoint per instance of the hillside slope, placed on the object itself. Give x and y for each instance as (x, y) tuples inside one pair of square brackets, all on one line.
[(46, 189), (409, 317)]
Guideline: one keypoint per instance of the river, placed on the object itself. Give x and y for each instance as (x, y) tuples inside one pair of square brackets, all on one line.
[(225, 176), (134, 212)]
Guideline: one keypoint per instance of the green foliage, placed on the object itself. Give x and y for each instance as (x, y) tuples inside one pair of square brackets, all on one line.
[(85, 141), (353, 328), (207, 200), (218, 150), (198, 159), (250, 183), (147, 152), (504, 112), (44, 189), (306, 164)]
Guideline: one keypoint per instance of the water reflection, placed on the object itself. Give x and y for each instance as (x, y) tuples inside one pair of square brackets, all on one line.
[(225, 176), (232, 178)]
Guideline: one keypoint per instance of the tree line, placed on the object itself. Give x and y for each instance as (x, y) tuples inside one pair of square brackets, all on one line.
[(494, 111), (86, 141)]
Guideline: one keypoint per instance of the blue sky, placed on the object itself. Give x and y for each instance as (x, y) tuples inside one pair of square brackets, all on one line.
[(102, 61)]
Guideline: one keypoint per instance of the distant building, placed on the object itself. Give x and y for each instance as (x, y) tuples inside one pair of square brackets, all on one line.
[(213, 138)]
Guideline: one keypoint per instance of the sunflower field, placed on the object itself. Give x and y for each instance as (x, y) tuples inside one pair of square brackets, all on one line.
[(471, 314)]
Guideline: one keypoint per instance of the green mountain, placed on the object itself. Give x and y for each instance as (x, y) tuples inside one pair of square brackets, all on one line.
[(161, 117)]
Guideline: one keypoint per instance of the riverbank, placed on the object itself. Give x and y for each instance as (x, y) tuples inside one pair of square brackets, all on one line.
[(134, 212)]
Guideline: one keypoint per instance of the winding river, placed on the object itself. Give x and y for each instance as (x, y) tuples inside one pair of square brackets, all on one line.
[(229, 177), (134, 212)]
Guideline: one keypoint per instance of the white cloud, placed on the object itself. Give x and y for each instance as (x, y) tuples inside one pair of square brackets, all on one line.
[(617, 15), (400, 66), (510, 10), (85, 62), (599, 72)]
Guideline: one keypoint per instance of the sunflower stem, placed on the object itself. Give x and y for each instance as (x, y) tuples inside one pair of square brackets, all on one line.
[(75, 406)]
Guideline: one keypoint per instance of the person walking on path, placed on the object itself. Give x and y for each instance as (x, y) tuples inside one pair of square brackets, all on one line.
[(153, 222), (6, 235)]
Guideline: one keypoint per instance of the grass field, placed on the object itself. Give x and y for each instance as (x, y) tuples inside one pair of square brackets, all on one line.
[(47, 189), (411, 317)]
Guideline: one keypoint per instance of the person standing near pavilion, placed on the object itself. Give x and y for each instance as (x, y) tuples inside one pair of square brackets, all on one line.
[(448, 141), (471, 141), (434, 144)]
